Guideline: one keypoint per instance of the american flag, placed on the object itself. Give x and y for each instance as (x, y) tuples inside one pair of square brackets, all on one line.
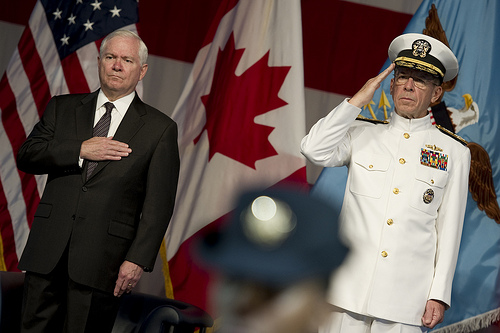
[(57, 54)]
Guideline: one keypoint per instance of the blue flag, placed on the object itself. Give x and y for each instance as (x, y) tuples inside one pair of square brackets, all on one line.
[(471, 110)]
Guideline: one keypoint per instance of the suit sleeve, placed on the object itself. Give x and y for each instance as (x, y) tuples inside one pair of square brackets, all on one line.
[(159, 201), (42, 152)]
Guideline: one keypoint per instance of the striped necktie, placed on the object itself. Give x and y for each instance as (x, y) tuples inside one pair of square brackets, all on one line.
[(101, 129)]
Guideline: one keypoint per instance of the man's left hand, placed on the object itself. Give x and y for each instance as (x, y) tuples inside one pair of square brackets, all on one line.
[(128, 276), (434, 313)]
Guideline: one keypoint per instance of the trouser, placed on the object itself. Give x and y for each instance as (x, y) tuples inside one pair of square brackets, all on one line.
[(54, 303), (342, 321)]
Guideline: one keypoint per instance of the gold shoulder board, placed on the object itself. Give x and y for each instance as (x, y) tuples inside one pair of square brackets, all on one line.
[(453, 135), (370, 120)]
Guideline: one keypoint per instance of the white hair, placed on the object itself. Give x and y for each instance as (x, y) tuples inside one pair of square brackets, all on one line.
[(143, 49)]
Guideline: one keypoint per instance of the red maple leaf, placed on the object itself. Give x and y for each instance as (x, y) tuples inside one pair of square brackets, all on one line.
[(234, 102)]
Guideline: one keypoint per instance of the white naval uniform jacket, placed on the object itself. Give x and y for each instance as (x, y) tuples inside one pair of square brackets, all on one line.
[(403, 250)]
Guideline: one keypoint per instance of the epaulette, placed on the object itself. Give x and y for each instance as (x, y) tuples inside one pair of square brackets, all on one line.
[(370, 120), (452, 135)]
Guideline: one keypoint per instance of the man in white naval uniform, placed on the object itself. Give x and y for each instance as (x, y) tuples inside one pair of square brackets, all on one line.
[(405, 197)]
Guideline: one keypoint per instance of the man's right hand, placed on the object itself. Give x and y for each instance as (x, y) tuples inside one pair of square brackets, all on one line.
[(103, 149), (365, 94)]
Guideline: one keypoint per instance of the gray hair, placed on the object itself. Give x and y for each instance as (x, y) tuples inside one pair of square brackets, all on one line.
[(143, 49)]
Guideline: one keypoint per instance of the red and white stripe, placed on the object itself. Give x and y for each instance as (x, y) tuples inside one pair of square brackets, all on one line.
[(208, 187)]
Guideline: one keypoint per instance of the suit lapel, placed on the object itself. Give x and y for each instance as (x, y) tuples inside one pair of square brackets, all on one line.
[(84, 116), (132, 121), (129, 126)]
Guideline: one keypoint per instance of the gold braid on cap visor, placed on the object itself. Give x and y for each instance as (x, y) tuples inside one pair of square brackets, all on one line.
[(419, 64)]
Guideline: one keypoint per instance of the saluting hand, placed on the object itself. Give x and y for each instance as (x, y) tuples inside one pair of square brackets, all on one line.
[(365, 94)]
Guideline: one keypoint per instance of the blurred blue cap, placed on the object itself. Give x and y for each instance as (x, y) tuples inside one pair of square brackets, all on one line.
[(276, 237)]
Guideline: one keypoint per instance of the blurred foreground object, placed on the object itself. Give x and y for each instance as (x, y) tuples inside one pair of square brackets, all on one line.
[(276, 255)]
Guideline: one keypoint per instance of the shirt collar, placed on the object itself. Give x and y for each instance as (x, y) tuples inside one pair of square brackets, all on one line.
[(121, 105), (410, 125)]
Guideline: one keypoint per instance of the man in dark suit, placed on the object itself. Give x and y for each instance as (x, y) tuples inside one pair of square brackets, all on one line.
[(98, 225)]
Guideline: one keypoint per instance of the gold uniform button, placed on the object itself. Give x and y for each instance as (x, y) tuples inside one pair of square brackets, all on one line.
[(370, 166), (390, 221), (396, 190), (384, 254), (406, 135), (432, 181), (402, 161)]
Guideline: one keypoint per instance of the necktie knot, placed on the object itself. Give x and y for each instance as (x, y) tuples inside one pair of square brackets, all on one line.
[(109, 107), (102, 126)]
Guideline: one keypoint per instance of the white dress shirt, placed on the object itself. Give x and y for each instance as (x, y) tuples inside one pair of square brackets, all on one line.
[(120, 109)]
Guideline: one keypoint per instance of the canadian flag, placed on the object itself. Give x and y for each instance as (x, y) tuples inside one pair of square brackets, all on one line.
[(241, 118)]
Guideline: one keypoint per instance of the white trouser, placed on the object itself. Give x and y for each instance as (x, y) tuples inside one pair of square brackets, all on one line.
[(341, 321)]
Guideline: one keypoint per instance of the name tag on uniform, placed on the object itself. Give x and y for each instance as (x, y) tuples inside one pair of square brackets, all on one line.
[(433, 159)]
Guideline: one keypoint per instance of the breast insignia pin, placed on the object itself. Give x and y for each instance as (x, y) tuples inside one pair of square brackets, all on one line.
[(428, 196)]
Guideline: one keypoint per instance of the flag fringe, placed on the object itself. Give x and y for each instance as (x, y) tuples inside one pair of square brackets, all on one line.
[(169, 290), (472, 324), (3, 266)]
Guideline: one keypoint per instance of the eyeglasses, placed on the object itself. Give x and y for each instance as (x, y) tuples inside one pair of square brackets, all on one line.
[(420, 83)]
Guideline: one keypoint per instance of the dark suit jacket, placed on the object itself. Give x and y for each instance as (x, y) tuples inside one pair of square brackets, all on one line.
[(121, 212)]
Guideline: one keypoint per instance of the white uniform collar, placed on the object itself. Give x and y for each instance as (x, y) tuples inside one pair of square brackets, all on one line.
[(410, 125)]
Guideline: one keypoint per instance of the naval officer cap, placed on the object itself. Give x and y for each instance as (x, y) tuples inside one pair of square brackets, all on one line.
[(276, 238), (421, 52)]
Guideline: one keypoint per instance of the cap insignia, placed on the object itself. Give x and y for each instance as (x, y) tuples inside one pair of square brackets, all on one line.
[(420, 48)]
